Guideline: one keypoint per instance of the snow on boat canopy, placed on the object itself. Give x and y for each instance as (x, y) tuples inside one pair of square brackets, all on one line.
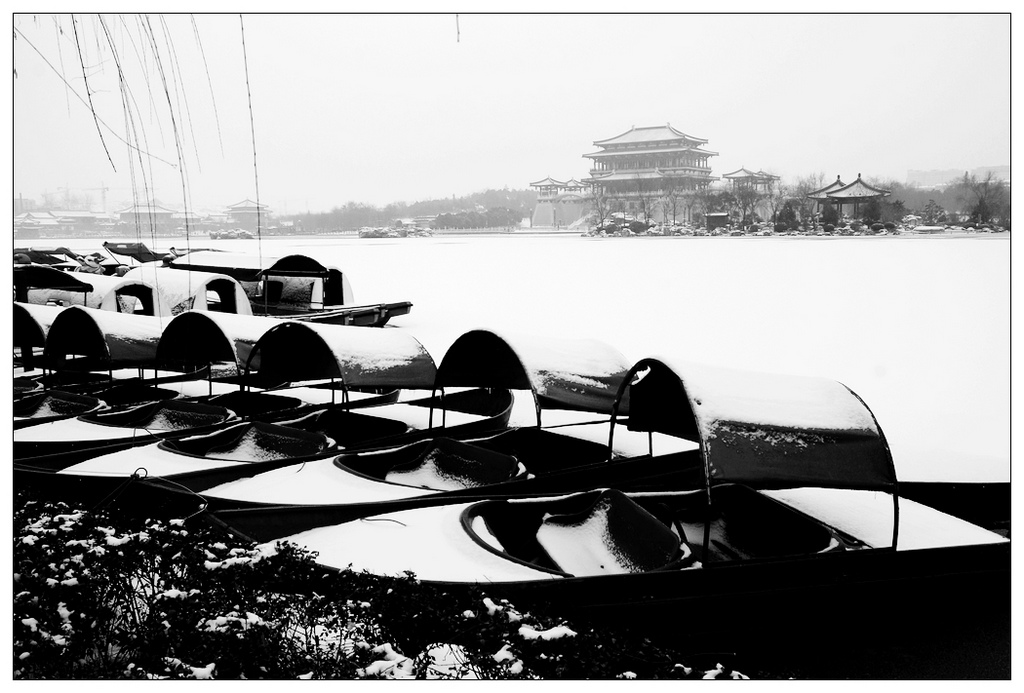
[(184, 291), (289, 279), (31, 325), (34, 277), (765, 430), (135, 251), (301, 352), (295, 286), (88, 339), (575, 374), (196, 339), (45, 285)]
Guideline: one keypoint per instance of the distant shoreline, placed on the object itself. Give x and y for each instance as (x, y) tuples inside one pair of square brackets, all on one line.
[(536, 232)]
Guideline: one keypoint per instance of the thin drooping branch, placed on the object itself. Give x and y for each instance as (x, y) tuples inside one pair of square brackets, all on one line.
[(252, 128), (174, 125), (84, 102), (88, 93), (206, 67)]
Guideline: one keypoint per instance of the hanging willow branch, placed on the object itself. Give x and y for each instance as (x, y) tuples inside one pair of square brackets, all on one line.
[(88, 93)]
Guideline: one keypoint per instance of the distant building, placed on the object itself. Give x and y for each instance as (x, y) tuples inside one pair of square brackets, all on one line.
[(21, 205), (560, 203), (759, 181), (638, 169), (941, 179), (248, 214), (148, 214)]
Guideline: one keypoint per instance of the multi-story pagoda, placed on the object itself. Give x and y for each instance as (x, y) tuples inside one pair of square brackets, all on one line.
[(638, 169), (559, 203)]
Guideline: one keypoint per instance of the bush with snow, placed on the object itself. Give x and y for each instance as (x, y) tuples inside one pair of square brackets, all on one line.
[(103, 596)]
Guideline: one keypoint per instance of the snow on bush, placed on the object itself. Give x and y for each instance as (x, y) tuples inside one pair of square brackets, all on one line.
[(98, 595)]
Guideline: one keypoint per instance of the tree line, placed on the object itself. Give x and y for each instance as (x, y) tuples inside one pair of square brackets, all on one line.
[(488, 209), (966, 200)]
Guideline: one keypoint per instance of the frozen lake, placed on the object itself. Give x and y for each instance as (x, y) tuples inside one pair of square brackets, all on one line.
[(918, 327)]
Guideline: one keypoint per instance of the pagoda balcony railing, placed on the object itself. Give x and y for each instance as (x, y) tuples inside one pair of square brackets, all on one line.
[(696, 170)]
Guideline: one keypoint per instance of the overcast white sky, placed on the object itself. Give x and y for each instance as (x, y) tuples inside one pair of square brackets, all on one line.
[(382, 108)]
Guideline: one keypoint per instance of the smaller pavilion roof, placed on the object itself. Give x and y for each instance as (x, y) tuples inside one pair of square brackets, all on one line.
[(247, 204), (857, 190), (145, 208), (820, 193), (547, 183), (742, 173)]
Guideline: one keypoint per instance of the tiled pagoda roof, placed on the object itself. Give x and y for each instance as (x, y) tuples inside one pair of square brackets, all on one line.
[(246, 204), (548, 182), (822, 193), (858, 189), (742, 173), (656, 133)]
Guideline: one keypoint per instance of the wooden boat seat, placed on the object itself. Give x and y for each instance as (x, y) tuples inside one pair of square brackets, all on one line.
[(451, 465), (614, 535)]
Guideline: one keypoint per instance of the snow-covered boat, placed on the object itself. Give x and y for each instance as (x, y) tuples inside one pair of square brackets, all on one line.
[(570, 383), (795, 521), (43, 406), (294, 286), (66, 260), (46, 285), (357, 361)]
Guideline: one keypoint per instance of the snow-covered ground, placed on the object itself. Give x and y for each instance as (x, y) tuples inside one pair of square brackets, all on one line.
[(918, 327)]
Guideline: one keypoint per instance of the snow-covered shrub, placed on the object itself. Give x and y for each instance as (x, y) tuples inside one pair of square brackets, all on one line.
[(103, 596)]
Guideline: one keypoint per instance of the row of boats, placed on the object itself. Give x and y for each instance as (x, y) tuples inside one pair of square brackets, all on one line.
[(547, 470)]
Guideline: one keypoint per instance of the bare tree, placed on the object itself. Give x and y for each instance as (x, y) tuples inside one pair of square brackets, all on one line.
[(646, 189), (776, 194), (984, 200), (746, 199), (602, 205), (801, 189)]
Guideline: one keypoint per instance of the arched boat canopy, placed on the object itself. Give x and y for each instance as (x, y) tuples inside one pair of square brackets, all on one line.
[(32, 323), (89, 339), (577, 374), (249, 267), (35, 277), (118, 294), (196, 339), (296, 273), (358, 356), (183, 290), (769, 431)]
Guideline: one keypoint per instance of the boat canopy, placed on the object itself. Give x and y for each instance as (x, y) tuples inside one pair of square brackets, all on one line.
[(768, 431), (195, 339), (577, 374), (30, 277), (32, 322), (89, 339), (184, 291), (296, 275), (250, 267), (358, 356), (118, 294), (136, 251)]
